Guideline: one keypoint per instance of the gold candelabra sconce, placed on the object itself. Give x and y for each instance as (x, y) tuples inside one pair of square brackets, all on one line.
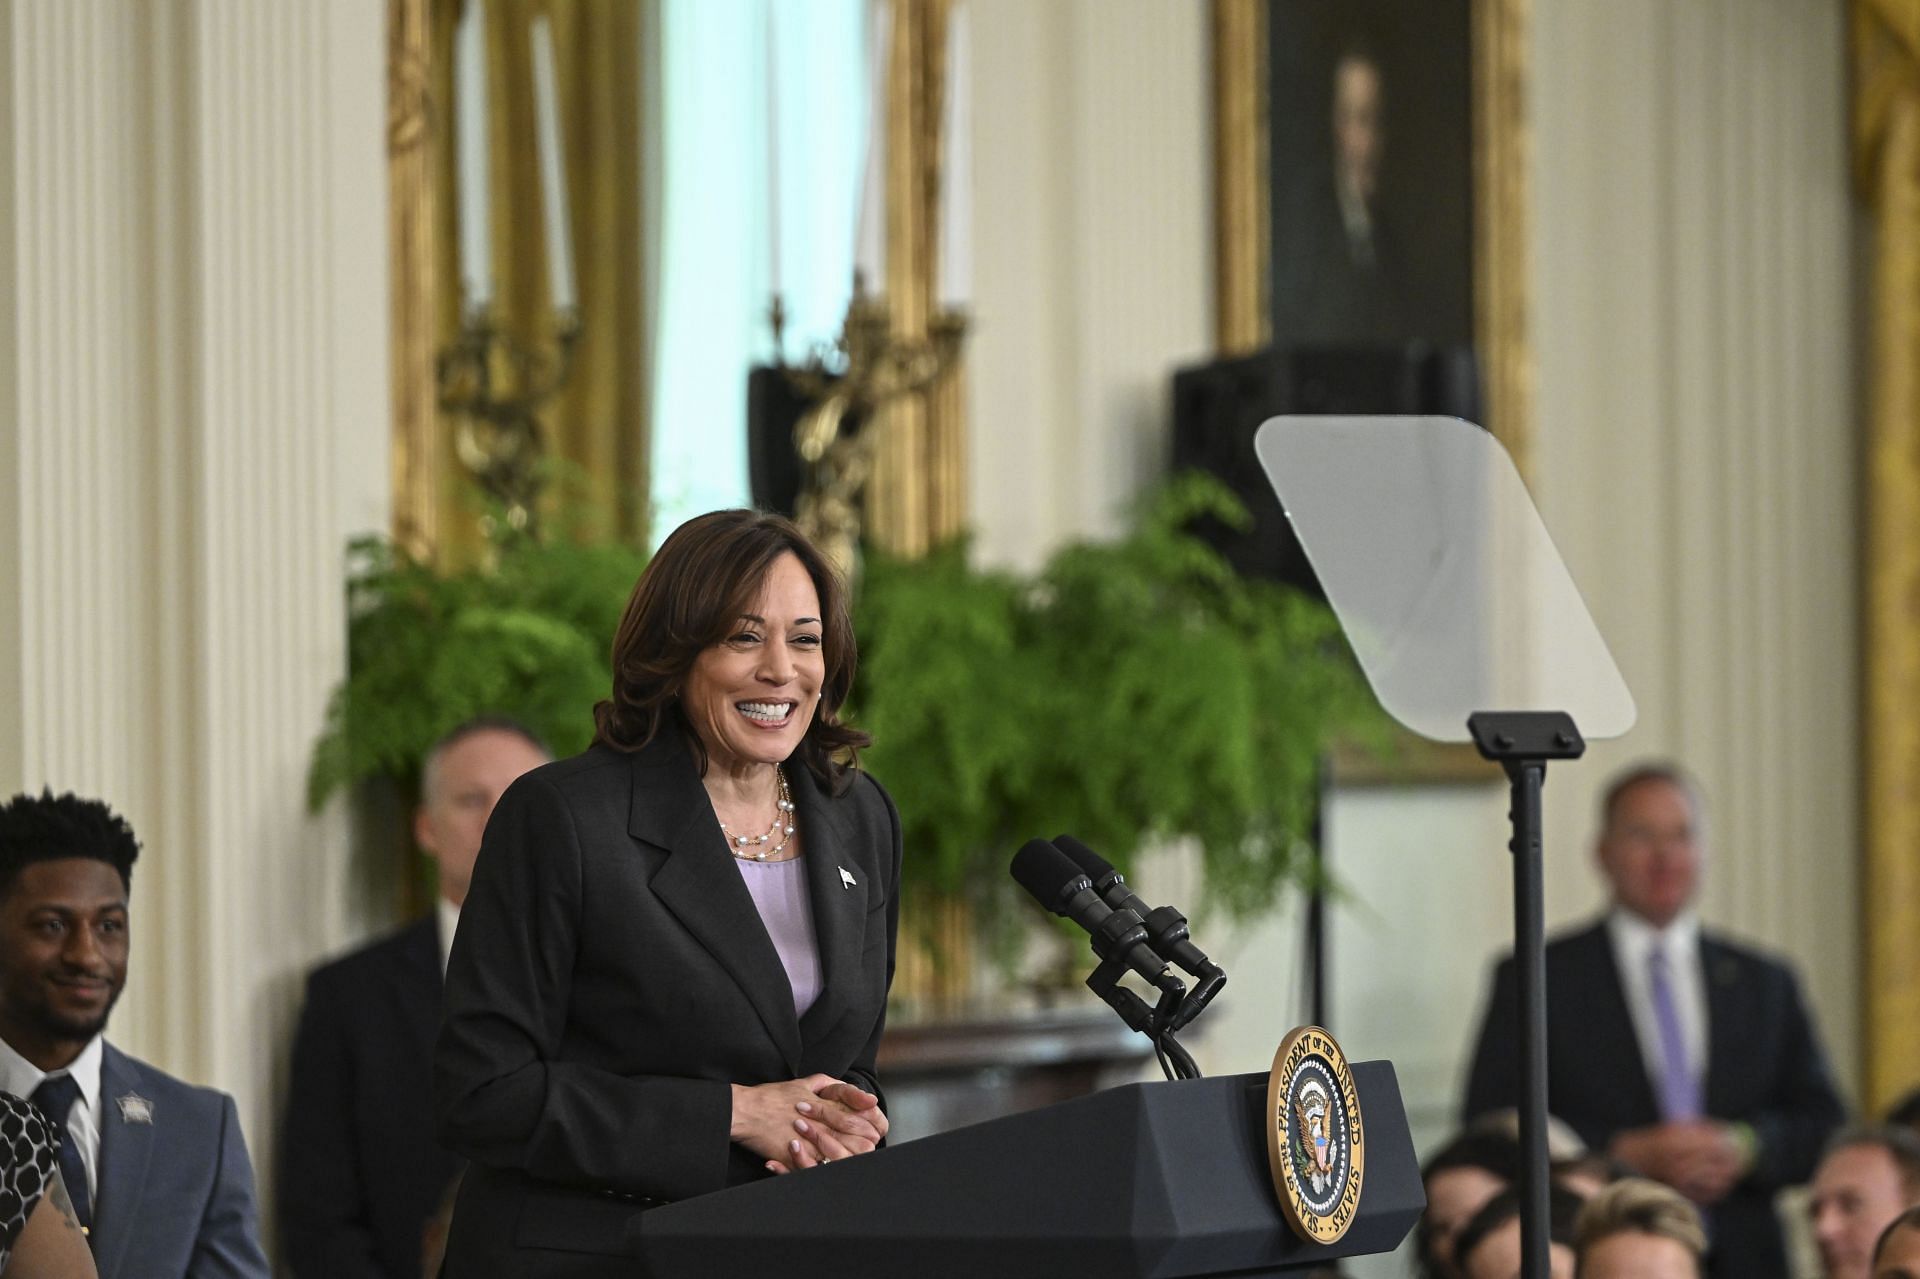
[(493, 384), (847, 382)]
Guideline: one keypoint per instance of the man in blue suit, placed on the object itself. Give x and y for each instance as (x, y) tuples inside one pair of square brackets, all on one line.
[(1687, 1056), (157, 1169)]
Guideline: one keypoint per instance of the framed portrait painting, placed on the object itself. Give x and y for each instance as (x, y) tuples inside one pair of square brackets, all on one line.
[(1370, 188), (1370, 182)]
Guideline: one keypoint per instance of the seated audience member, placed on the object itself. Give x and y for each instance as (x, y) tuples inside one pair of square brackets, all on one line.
[(156, 1169), (361, 1174), (1639, 1229), (1687, 1057), (1488, 1247), (1563, 1143), (1459, 1179), (1868, 1177), (1897, 1255)]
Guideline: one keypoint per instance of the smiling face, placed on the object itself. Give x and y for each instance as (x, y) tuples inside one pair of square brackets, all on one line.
[(751, 697), (1651, 850), (63, 957)]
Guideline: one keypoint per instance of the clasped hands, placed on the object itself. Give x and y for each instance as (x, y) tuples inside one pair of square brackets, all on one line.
[(798, 1123), (1701, 1158)]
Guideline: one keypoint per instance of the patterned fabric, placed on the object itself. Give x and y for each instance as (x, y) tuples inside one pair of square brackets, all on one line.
[(28, 1150)]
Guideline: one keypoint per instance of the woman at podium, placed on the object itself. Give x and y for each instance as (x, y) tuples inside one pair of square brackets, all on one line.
[(671, 972)]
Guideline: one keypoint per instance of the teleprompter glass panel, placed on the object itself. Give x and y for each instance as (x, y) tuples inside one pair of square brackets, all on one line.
[(1435, 560)]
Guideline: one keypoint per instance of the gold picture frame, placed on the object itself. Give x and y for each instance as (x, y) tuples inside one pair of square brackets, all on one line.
[(1243, 268)]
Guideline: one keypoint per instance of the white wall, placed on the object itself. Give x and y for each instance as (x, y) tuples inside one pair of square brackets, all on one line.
[(193, 417), (1694, 456), (1697, 441), (1092, 257)]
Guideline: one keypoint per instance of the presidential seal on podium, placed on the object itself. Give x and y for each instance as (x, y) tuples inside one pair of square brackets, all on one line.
[(1314, 1147)]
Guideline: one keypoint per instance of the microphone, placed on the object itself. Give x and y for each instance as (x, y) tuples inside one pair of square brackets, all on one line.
[(1166, 927), (1059, 885)]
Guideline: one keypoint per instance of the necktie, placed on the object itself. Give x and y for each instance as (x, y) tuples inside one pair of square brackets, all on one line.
[(1679, 1088), (55, 1097)]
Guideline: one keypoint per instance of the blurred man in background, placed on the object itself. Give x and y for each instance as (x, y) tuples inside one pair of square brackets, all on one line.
[(1687, 1057), (361, 1175)]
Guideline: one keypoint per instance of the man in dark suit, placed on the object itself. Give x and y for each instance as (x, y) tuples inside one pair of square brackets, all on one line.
[(1684, 1055), (1342, 277), (157, 1169), (361, 1174)]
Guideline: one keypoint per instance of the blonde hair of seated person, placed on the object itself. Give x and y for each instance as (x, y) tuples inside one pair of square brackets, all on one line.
[(1642, 1229)]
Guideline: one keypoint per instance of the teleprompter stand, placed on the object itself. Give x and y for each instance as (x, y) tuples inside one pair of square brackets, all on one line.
[(1522, 742), (1163, 1180), (1463, 617)]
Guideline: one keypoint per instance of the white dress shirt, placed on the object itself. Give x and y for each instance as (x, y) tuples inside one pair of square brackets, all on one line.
[(449, 917), (20, 1077), (1634, 941)]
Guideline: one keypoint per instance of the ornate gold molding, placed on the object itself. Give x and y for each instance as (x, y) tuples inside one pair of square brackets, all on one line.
[(1886, 144), (410, 222), (1242, 221), (1501, 254), (917, 496)]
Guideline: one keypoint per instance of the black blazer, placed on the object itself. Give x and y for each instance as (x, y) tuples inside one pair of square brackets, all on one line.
[(361, 1171), (1764, 1068), (611, 980)]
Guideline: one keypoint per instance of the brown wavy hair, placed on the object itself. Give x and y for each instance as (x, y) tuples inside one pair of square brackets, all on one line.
[(702, 580)]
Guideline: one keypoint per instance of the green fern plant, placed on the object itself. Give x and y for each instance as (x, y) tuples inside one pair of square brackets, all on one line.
[(1131, 692), (528, 636)]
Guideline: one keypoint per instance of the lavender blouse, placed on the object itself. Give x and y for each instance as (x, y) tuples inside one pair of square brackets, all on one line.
[(779, 892)]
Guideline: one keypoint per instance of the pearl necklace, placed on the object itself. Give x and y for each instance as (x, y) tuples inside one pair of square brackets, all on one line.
[(782, 826)]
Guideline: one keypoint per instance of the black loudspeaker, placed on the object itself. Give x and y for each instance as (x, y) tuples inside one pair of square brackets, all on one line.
[(774, 408), (1217, 407)]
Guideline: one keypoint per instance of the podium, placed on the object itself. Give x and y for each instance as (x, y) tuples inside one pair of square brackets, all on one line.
[(1153, 1181)]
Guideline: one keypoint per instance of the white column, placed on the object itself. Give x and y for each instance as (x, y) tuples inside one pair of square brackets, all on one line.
[(193, 418)]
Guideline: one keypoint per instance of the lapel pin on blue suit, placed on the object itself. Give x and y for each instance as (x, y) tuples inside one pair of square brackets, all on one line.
[(846, 878), (135, 1109)]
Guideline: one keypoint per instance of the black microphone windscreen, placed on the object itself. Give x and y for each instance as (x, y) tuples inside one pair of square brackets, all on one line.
[(1091, 864), (1044, 871)]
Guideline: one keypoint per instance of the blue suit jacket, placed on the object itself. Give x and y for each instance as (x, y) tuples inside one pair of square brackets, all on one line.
[(175, 1193)]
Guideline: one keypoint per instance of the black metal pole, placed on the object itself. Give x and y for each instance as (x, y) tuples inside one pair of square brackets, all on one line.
[(1530, 965), (1522, 742), (1317, 902)]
